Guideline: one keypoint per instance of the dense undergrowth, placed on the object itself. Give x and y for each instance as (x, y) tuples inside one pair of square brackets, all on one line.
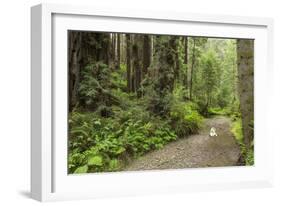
[(107, 143), (247, 154), (108, 134)]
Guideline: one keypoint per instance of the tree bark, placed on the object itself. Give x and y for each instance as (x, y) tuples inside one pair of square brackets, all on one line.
[(152, 48), (118, 51), (84, 48), (133, 79), (173, 44), (245, 63), (136, 63), (74, 66), (192, 69), (186, 61), (164, 62), (128, 52), (146, 53), (113, 48), (104, 51)]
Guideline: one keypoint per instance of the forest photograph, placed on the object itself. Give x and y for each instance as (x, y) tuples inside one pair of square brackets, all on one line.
[(151, 102)]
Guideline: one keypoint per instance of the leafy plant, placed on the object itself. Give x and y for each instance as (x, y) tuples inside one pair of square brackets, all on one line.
[(185, 119), (99, 144), (95, 87), (247, 154), (95, 161), (82, 169)]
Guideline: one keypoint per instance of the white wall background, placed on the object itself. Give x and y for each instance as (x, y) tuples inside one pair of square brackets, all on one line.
[(15, 101)]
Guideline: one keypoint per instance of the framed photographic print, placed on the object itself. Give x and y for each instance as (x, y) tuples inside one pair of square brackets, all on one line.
[(137, 102)]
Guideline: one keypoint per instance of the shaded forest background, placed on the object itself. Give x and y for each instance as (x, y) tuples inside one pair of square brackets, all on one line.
[(133, 93)]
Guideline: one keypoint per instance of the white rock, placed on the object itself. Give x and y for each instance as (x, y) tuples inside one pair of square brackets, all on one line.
[(213, 132)]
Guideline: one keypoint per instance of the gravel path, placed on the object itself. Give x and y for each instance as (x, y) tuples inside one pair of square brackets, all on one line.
[(198, 150)]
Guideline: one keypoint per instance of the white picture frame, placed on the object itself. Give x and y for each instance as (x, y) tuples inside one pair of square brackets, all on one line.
[(49, 178)]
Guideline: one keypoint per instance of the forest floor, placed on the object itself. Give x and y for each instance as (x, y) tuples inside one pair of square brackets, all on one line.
[(199, 150)]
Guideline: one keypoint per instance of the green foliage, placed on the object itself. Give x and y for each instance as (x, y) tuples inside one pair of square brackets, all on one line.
[(102, 144), (95, 161), (210, 66), (140, 137), (207, 80), (113, 165), (248, 154), (126, 100), (159, 102), (237, 131), (118, 78), (215, 77), (159, 90), (185, 118), (94, 77), (95, 87), (82, 169), (250, 157), (225, 111)]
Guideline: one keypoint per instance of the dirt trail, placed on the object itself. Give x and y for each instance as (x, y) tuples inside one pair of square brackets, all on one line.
[(198, 150)]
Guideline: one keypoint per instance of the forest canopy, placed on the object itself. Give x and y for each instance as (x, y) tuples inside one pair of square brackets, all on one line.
[(130, 94)]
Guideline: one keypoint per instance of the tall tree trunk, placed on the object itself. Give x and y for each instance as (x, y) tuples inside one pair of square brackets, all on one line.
[(113, 48), (118, 51), (146, 53), (112, 53), (95, 47), (74, 66), (105, 48), (245, 63), (84, 48), (128, 52), (152, 48), (164, 61), (136, 63), (133, 72), (173, 44), (186, 61), (192, 69)]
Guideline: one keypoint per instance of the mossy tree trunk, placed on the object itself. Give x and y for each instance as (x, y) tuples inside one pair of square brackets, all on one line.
[(173, 45), (245, 63), (146, 53), (165, 67), (186, 61), (192, 69), (83, 48), (128, 62), (118, 51), (136, 61)]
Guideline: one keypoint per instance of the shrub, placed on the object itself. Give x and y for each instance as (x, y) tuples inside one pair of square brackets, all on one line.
[(250, 157), (100, 144), (185, 119), (140, 137), (95, 88), (133, 113), (247, 154), (220, 111), (118, 78), (236, 130)]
